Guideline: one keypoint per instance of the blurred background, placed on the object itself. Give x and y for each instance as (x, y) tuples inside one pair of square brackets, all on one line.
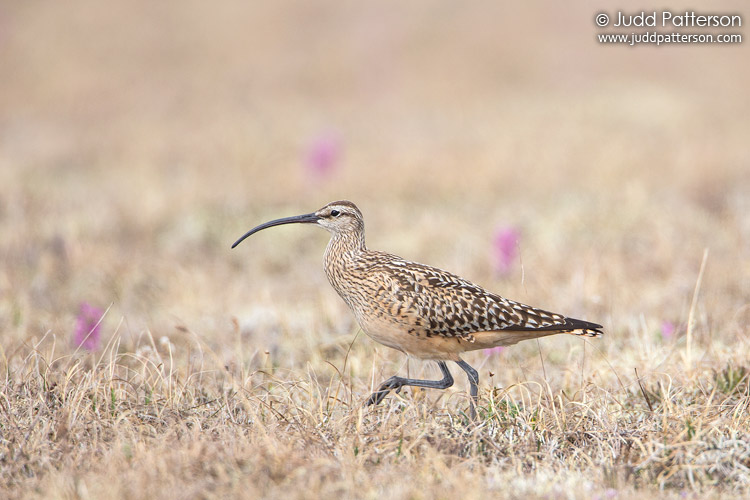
[(500, 141)]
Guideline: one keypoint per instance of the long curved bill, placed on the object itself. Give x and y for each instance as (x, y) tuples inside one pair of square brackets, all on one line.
[(297, 219)]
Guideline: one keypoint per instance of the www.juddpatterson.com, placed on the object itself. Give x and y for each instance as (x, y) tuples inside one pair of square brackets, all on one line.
[(652, 37)]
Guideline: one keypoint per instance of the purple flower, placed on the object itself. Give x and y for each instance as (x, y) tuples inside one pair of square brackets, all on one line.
[(668, 330), (323, 155), (88, 326), (505, 248)]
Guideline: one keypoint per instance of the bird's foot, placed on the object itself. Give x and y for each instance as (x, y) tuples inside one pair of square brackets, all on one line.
[(392, 384)]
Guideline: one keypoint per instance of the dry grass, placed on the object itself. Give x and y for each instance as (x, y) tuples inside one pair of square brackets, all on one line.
[(138, 141)]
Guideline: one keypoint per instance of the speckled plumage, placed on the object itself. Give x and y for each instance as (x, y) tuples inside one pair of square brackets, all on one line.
[(421, 310), (386, 292)]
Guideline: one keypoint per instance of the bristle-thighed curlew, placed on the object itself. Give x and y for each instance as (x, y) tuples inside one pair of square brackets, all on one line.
[(420, 310)]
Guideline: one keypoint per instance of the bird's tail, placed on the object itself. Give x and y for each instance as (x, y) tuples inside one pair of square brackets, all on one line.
[(582, 328)]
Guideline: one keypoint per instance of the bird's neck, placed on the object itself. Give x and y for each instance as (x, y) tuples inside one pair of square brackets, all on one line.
[(341, 257), (345, 244)]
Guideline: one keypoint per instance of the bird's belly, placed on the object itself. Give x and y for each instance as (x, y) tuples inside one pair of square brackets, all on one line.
[(420, 346), (486, 340)]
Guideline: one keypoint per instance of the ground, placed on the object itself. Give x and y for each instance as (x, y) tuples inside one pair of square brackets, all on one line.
[(139, 140)]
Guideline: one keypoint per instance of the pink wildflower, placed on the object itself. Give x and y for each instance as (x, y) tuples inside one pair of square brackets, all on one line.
[(323, 155), (505, 248), (87, 330), (668, 330)]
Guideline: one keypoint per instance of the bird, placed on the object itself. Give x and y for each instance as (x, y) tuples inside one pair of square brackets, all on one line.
[(422, 311)]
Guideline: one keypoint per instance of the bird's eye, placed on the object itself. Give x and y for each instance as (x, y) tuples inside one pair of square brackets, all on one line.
[(335, 213)]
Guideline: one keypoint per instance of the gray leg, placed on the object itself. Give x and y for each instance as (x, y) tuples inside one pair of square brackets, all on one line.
[(396, 383), (473, 388)]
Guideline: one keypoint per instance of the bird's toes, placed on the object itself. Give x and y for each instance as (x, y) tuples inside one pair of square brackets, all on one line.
[(375, 398), (392, 384)]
